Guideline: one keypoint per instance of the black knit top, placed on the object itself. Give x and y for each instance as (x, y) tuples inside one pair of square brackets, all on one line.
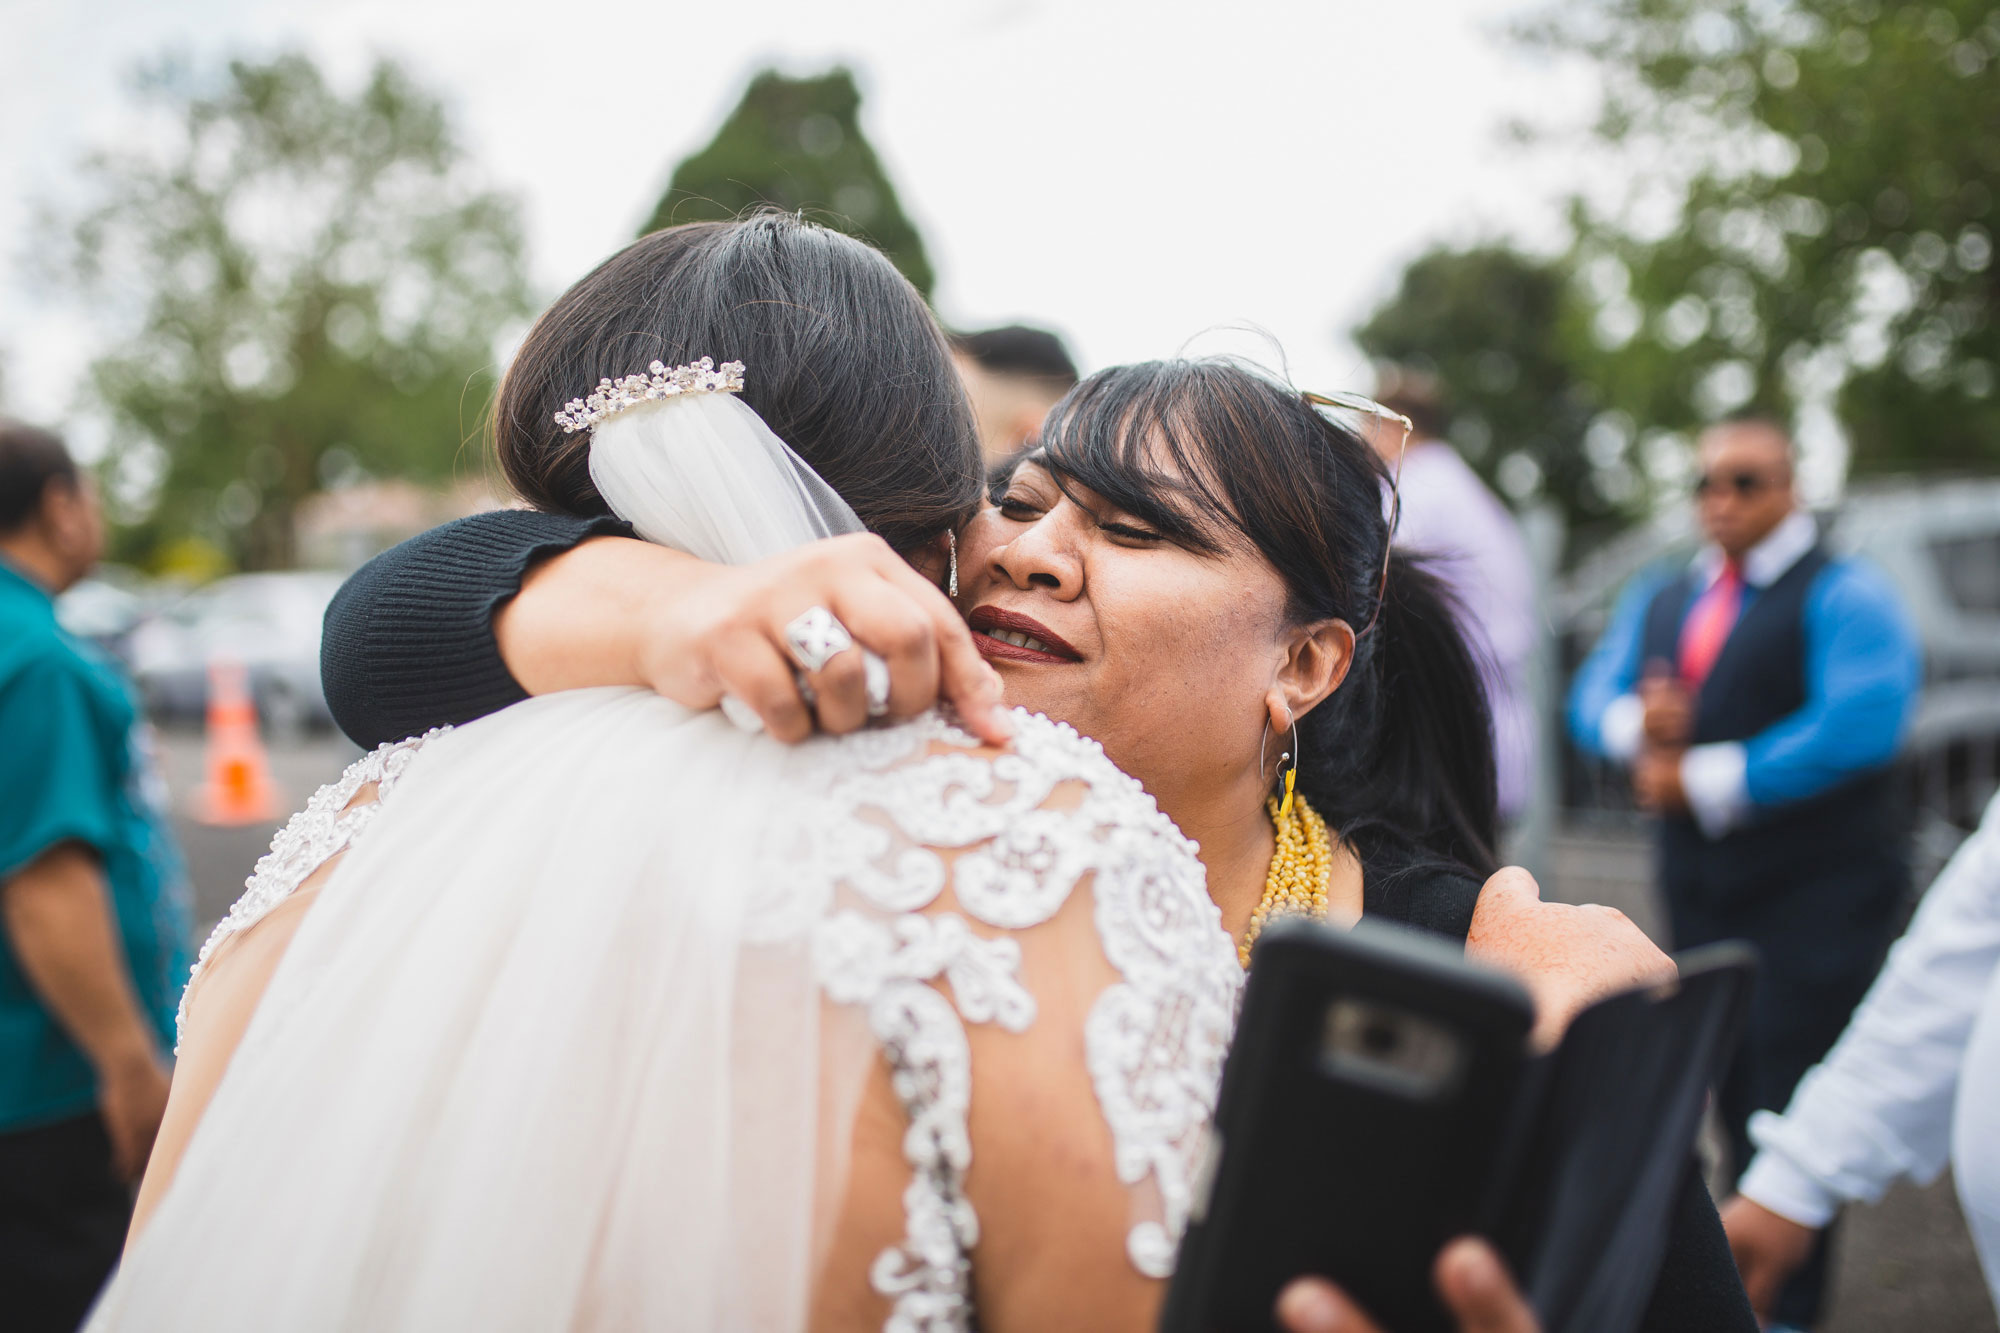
[(408, 642)]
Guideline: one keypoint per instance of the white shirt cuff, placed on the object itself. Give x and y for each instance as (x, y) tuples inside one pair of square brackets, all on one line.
[(1776, 1182), (1715, 779), (1621, 728)]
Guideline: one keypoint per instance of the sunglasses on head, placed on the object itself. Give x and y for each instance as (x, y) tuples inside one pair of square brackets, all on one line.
[(1743, 484), (1368, 407)]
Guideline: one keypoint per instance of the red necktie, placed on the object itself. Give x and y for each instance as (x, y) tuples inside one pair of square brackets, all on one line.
[(1709, 623)]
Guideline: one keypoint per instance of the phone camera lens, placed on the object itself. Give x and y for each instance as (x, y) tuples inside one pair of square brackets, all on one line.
[(1378, 1038), (1379, 1045)]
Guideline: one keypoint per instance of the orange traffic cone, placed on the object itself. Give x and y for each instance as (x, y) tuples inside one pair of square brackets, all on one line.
[(237, 788)]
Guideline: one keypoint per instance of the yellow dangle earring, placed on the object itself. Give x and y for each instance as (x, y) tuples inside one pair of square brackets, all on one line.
[(1291, 774), (1301, 859)]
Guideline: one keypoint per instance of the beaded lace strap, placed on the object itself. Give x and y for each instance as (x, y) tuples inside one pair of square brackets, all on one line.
[(307, 841)]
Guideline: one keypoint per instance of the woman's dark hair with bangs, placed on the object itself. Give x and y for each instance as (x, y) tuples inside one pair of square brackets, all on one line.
[(1399, 759), (843, 361)]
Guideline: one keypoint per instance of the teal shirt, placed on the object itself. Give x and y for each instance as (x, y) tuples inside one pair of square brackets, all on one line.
[(75, 765)]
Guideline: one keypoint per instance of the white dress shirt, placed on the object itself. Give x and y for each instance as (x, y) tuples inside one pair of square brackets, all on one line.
[(1915, 1079)]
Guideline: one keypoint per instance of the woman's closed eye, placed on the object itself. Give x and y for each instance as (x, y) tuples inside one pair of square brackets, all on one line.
[(1020, 508), (1128, 532), (1028, 499), (1027, 509)]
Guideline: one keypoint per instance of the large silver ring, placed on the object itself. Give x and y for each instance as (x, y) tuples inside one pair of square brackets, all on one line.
[(816, 638), (875, 674)]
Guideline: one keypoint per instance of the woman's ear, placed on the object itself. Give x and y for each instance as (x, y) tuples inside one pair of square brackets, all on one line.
[(1315, 663)]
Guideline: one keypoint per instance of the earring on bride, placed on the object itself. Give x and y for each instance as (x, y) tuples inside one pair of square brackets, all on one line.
[(951, 545)]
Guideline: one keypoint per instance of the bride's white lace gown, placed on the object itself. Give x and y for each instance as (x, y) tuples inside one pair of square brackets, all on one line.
[(579, 1034), (614, 1017)]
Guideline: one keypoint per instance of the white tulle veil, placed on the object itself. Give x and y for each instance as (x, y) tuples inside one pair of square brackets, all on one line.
[(702, 473), (430, 1122)]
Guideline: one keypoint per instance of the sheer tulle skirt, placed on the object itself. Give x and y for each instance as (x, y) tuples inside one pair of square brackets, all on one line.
[(530, 1064)]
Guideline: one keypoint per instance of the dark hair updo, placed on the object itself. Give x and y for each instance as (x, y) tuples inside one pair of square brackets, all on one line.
[(1399, 759), (843, 361)]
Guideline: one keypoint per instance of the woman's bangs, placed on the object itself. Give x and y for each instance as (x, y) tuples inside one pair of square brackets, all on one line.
[(1126, 437)]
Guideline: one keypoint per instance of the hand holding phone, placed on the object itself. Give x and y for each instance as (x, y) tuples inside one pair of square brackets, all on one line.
[(1382, 1100), (1472, 1281), (1362, 1106)]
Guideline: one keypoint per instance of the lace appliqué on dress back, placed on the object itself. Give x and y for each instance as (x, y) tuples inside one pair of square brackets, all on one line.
[(1154, 1040), (308, 840), (890, 820)]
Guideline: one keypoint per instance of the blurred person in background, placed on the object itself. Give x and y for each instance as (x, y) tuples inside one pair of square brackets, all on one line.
[(93, 904), (1013, 375), (1758, 696), (1448, 512), (1913, 1083)]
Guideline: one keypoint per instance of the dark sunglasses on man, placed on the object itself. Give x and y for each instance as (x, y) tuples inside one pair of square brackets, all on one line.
[(1743, 484)]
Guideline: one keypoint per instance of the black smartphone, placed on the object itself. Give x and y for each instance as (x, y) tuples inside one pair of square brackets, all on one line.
[(1362, 1108)]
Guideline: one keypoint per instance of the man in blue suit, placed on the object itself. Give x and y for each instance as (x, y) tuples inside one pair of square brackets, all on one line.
[(1758, 696)]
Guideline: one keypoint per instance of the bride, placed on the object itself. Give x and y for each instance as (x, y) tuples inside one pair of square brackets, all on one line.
[(609, 1014)]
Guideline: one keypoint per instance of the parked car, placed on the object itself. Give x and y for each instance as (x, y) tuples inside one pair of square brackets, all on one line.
[(267, 623), (104, 609)]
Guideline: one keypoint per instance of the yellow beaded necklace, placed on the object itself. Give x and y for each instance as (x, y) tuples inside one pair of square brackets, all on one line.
[(1301, 869)]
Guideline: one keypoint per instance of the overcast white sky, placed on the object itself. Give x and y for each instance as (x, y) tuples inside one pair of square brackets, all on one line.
[(1130, 172)]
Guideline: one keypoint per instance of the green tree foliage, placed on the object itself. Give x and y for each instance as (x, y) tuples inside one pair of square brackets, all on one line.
[(1507, 337), (297, 285), (797, 144), (1829, 169)]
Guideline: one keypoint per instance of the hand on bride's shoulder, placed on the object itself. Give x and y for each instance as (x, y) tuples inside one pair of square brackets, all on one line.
[(1569, 956)]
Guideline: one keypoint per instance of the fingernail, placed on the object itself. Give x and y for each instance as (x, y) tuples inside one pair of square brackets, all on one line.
[(1309, 1307), (1469, 1268), (1003, 720)]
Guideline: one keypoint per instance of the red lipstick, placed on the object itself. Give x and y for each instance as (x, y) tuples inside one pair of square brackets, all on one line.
[(990, 622)]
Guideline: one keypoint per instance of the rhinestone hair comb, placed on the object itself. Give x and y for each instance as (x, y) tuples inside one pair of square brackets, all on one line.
[(614, 396)]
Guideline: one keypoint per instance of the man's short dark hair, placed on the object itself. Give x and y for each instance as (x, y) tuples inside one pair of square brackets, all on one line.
[(1759, 418), (1016, 349), (30, 458)]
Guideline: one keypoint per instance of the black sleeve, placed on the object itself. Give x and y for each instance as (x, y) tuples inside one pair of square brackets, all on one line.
[(1436, 898), (1698, 1288), (408, 641)]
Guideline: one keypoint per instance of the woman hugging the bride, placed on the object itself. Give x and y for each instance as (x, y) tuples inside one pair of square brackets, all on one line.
[(607, 1011)]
